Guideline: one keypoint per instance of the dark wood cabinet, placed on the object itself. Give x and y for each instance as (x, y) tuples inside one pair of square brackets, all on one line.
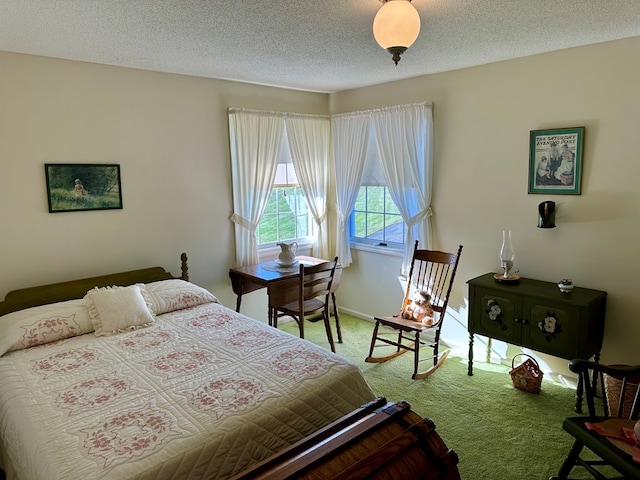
[(536, 315)]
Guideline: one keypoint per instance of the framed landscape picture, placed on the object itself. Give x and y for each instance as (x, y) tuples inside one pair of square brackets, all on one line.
[(555, 161), (78, 187)]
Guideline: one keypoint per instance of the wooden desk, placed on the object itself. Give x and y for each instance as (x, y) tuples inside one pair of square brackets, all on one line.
[(250, 278)]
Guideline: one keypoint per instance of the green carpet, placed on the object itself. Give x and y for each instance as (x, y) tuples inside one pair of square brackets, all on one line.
[(498, 432)]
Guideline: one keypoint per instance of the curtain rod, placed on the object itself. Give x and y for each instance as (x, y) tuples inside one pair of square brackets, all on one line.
[(233, 110), (381, 109)]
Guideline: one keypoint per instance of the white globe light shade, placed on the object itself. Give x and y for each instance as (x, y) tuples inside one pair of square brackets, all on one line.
[(397, 24)]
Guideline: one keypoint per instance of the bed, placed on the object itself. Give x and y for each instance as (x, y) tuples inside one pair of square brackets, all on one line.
[(143, 375)]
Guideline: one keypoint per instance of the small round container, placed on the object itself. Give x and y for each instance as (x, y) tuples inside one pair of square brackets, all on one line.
[(565, 286)]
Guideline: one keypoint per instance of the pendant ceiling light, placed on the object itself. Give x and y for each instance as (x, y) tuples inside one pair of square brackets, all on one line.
[(396, 26)]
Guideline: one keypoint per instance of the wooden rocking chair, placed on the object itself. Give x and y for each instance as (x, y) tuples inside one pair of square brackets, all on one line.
[(433, 272)]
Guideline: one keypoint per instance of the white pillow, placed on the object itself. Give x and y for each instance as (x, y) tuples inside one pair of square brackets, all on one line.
[(171, 295), (43, 324), (117, 309)]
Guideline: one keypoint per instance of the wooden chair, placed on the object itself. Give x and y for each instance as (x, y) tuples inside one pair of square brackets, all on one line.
[(434, 272), (312, 292), (618, 407), (334, 303)]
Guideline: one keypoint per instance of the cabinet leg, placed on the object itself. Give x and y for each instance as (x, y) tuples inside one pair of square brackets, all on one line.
[(470, 371)]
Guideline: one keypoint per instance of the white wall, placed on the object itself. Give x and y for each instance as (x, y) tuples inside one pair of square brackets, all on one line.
[(169, 134), (482, 119)]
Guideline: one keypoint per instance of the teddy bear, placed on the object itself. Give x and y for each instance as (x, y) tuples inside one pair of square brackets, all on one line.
[(419, 308)]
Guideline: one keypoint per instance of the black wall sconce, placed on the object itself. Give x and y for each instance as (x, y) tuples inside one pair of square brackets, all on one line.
[(547, 214)]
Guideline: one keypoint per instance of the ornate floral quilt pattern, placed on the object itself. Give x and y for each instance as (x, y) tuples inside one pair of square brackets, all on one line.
[(203, 393)]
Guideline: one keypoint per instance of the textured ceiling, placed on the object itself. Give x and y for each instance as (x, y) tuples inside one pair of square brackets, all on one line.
[(316, 45)]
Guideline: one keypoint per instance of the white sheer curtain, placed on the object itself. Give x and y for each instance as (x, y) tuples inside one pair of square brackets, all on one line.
[(309, 142), (404, 138), (255, 138), (349, 133)]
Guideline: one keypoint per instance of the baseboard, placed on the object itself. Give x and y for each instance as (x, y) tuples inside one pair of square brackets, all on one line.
[(355, 313)]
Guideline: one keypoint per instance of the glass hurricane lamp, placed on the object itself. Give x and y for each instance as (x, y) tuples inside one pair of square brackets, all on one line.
[(507, 254)]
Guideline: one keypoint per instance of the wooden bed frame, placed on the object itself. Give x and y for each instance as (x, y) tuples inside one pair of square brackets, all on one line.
[(59, 292)]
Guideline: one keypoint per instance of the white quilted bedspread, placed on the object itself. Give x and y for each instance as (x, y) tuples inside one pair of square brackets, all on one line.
[(201, 394)]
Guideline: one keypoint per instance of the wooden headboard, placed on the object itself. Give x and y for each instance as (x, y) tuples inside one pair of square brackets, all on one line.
[(59, 292)]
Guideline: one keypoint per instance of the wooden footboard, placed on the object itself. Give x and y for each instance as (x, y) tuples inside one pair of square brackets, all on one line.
[(380, 440), (59, 292)]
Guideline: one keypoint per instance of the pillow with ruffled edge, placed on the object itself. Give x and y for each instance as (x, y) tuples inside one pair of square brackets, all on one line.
[(171, 295), (118, 309), (43, 324)]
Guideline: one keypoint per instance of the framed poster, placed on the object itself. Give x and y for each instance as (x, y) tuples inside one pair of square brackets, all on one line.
[(78, 187), (555, 161)]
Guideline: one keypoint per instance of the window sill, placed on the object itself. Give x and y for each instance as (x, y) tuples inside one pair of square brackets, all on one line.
[(391, 251)]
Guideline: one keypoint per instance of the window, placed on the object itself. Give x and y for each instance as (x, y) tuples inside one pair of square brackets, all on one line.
[(375, 219), (260, 150), (286, 216)]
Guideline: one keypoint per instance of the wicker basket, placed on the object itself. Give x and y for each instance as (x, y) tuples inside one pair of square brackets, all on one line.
[(526, 376), (613, 388)]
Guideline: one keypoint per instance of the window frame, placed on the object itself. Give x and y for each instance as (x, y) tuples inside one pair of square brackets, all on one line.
[(375, 243), (308, 239), (373, 176)]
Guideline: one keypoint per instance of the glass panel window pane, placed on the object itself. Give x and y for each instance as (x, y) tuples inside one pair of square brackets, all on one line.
[(375, 225), (286, 216), (361, 200), (271, 205), (375, 199), (287, 225), (359, 224), (390, 206), (302, 226), (268, 231), (376, 218), (285, 175), (394, 228)]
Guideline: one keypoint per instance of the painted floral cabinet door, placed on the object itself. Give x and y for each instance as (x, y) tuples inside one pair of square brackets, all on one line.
[(553, 328), (496, 315)]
